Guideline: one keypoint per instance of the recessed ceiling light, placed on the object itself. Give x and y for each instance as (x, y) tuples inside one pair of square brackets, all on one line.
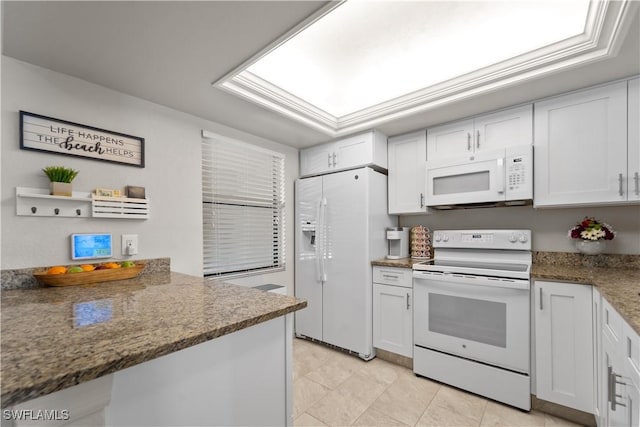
[(369, 60)]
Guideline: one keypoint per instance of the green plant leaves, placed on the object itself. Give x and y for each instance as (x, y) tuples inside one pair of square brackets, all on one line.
[(60, 173)]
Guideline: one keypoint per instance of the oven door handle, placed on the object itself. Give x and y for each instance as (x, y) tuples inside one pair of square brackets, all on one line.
[(467, 280)]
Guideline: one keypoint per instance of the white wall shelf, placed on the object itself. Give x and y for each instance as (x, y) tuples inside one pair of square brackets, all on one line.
[(119, 207), (38, 202)]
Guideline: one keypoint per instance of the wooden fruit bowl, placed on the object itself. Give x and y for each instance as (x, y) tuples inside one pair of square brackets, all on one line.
[(88, 277)]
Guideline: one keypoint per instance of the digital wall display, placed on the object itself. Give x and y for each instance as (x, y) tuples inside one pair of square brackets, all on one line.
[(88, 246)]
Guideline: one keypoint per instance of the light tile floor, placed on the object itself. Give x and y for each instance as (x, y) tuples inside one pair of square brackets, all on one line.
[(334, 389)]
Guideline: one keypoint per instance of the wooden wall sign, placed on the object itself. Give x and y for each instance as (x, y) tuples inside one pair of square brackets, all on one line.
[(43, 133)]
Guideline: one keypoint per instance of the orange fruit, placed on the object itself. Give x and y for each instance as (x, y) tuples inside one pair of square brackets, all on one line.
[(112, 265), (87, 267), (58, 269)]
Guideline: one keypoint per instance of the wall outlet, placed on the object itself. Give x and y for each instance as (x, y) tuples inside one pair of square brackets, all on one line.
[(129, 244)]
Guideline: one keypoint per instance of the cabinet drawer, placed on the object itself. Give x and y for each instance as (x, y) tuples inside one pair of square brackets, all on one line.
[(611, 322), (393, 276)]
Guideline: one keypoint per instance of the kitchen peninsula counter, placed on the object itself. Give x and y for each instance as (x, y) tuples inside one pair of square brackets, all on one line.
[(55, 338)]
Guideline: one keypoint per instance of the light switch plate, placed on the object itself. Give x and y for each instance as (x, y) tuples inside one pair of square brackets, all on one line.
[(129, 244)]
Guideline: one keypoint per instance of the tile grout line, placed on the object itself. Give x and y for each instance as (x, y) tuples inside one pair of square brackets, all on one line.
[(428, 404)]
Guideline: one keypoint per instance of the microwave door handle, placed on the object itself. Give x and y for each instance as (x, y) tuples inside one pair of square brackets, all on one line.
[(500, 175)]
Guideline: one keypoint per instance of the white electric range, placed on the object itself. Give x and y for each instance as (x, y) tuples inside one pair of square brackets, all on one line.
[(472, 313)]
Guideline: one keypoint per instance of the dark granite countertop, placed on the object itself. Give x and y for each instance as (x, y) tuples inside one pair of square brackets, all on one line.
[(54, 338), (616, 277), (400, 263)]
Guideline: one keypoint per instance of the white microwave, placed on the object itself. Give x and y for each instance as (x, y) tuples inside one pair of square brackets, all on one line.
[(491, 178)]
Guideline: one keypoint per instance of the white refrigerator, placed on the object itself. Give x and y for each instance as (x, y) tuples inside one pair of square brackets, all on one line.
[(340, 220)]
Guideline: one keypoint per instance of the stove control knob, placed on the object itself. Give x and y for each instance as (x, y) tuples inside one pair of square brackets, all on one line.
[(523, 238), (445, 238), (513, 238), (437, 237)]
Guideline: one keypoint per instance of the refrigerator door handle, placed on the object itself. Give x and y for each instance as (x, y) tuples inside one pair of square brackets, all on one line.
[(318, 251), (323, 253)]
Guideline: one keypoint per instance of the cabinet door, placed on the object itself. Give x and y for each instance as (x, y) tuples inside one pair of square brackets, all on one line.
[(354, 151), (564, 344), (614, 386), (634, 140), (580, 148), (450, 140), (407, 168), (393, 319), (633, 409), (507, 128), (316, 160), (631, 361), (599, 392)]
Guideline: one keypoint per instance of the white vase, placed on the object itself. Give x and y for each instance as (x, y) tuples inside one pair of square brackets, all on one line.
[(591, 247)]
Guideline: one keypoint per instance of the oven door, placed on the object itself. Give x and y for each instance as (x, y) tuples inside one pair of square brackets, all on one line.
[(464, 180), (481, 318)]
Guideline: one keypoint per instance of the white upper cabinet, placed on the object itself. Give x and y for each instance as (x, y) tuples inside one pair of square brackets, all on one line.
[(580, 149), (633, 180), (407, 167), (450, 140), (369, 148), (316, 160), (506, 128)]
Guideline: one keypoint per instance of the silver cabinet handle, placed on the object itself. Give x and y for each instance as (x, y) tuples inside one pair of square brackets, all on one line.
[(611, 388), (334, 160), (408, 305), (540, 298), (477, 139), (620, 185), (388, 276), (636, 179), (468, 141), (328, 160), (612, 380), (422, 199)]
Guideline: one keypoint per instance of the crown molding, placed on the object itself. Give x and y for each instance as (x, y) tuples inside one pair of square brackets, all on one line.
[(606, 25)]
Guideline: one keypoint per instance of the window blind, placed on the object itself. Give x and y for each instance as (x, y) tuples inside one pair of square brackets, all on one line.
[(242, 207)]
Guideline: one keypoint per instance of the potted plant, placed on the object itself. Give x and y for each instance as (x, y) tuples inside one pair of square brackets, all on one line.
[(591, 235), (60, 178)]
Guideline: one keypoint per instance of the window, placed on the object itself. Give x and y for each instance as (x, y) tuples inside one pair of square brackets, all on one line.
[(242, 207)]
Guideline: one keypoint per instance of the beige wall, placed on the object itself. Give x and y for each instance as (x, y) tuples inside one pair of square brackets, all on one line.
[(549, 226), (172, 174)]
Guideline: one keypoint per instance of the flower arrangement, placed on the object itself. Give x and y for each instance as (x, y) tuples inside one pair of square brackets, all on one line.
[(591, 229)]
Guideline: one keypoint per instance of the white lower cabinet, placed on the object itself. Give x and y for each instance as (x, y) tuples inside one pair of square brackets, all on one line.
[(393, 310), (600, 406), (564, 344), (618, 370)]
